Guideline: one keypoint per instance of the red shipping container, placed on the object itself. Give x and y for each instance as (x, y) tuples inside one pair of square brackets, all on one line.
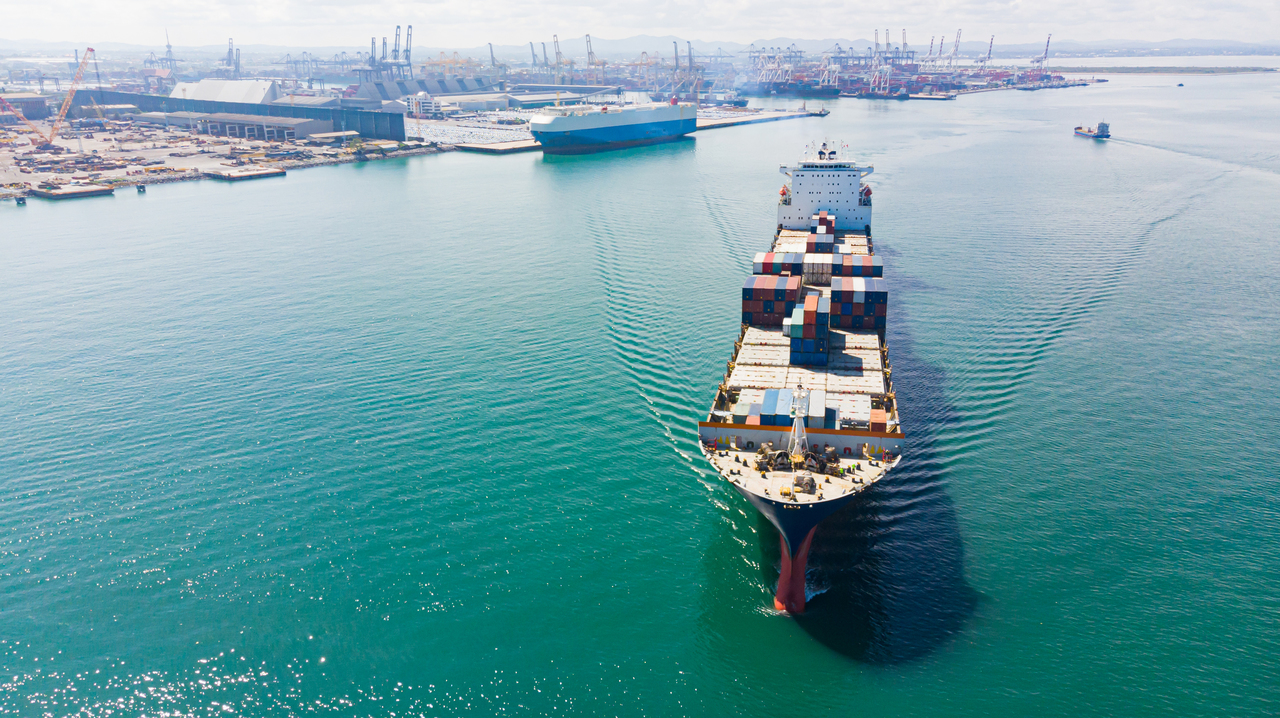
[(753, 421), (810, 332), (810, 303), (868, 322), (882, 310)]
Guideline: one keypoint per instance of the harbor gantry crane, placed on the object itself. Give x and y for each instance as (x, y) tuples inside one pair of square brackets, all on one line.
[(555, 42), (62, 113), (1038, 62), (595, 64)]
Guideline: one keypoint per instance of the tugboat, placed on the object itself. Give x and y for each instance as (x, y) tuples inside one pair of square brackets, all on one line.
[(1102, 132)]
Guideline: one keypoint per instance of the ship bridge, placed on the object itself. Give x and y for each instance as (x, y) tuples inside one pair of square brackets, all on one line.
[(825, 180)]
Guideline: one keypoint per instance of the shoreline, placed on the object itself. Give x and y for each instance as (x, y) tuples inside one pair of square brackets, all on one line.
[(192, 175), (1171, 70)]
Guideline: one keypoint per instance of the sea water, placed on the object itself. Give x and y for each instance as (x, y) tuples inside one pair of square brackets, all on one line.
[(417, 437)]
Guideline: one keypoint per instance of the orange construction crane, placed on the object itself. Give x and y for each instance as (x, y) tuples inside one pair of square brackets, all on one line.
[(18, 113), (66, 104)]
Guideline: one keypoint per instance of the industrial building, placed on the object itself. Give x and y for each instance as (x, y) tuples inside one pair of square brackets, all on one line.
[(255, 92), (260, 127), (31, 105)]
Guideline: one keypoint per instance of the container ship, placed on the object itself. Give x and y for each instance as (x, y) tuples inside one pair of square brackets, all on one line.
[(1102, 132), (804, 419), (792, 88), (591, 128)]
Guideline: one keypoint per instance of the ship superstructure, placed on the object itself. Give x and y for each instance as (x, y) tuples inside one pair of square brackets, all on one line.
[(805, 418), (591, 128)]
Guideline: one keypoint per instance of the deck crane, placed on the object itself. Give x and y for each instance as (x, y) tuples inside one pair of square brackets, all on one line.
[(66, 104)]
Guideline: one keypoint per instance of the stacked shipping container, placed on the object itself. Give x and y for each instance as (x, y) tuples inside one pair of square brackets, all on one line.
[(807, 327), (859, 303), (822, 233), (767, 299)]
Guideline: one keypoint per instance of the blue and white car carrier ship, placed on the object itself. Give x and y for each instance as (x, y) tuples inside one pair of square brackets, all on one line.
[(805, 418), (591, 128)]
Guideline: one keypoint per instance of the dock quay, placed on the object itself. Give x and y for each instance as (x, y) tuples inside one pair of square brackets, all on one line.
[(71, 192), (500, 148), (247, 173), (751, 117)]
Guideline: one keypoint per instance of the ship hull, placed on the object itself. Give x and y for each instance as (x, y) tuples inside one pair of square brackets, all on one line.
[(598, 139), (1091, 135), (779, 89), (796, 524)]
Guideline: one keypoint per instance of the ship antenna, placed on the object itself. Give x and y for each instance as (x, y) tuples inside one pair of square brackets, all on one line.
[(799, 440)]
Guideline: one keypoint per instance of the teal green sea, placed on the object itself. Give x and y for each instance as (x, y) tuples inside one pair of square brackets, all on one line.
[(417, 437)]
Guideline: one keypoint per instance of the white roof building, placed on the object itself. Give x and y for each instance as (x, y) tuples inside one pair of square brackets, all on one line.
[(252, 91)]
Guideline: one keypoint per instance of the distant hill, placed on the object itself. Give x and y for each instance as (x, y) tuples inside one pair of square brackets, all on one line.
[(661, 46)]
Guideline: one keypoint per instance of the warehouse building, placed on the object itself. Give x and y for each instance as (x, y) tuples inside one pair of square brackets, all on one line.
[(31, 105), (260, 127)]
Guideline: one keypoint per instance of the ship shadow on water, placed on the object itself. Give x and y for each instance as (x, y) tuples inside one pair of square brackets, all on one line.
[(886, 573)]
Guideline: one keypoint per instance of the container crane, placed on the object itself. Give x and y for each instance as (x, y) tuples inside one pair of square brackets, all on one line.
[(555, 41), (1038, 62), (593, 62)]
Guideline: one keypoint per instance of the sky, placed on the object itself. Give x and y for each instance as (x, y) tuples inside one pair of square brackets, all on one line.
[(470, 23)]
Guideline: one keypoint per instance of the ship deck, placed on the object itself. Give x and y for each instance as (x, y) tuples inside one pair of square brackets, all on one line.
[(737, 467)]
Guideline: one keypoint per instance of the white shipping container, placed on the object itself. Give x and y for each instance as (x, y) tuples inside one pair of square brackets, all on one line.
[(855, 359), (758, 377), (844, 339), (766, 337), (847, 381), (807, 378), (852, 407), (817, 408), (754, 354)]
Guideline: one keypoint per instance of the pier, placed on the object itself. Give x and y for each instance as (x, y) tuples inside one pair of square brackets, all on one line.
[(71, 192)]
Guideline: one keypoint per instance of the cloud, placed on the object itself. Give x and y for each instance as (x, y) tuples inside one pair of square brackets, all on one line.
[(474, 22)]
